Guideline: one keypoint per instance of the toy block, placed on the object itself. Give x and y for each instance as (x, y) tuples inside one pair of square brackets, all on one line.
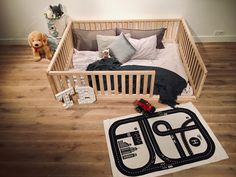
[(65, 97), (86, 94)]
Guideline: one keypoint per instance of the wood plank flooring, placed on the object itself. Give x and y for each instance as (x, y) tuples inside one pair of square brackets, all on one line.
[(38, 138)]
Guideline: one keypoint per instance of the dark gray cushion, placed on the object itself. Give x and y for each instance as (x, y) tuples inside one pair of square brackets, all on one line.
[(86, 39), (138, 34)]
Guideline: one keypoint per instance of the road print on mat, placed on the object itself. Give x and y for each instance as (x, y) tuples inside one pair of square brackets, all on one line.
[(165, 140)]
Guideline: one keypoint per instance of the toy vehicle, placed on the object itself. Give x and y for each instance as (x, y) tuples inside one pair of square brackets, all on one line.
[(143, 106)]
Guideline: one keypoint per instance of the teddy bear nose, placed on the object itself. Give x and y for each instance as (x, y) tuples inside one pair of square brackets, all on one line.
[(36, 45)]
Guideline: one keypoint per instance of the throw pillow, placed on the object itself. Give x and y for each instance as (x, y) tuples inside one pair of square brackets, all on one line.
[(145, 48), (104, 41), (138, 34), (121, 49), (86, 39)]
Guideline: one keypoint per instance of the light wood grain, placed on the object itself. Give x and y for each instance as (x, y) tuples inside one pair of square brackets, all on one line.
[(39, 138)]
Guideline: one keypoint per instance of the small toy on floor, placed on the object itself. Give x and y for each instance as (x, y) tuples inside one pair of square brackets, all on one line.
[(39, 43), (86, 94), (65, 97), (143, 106)]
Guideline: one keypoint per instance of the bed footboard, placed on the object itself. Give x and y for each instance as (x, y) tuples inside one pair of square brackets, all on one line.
[(107, 83)]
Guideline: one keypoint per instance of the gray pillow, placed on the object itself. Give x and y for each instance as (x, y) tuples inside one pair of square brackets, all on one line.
[(121, 49), (86, 39), (104, 41), (138, 34)]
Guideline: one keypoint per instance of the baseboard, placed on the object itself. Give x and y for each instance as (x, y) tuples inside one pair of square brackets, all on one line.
[(225, 38), (13, 41)]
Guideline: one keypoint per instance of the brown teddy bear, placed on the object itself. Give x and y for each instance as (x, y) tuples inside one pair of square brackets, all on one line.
[(39, 43)]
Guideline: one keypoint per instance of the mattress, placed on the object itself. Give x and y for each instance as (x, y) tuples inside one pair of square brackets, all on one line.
[(167, 58)]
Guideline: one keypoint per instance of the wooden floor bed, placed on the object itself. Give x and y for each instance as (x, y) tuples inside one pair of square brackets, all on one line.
[(59, 74)]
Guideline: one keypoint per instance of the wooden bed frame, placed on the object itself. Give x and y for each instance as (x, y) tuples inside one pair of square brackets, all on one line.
[(60, 76)]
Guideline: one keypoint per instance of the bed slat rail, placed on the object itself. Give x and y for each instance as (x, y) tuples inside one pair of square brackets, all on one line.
[(107, 83), (170, 24), (193, 63), (64, 53), (62, 58)]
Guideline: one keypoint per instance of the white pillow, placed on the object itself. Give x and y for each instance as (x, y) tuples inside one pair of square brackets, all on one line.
[(145, 48), (121, 49)]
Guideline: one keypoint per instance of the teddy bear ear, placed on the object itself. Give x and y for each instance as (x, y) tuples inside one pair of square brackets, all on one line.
[(45, 39), (29, 40)]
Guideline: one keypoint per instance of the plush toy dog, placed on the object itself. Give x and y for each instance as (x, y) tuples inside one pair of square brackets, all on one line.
[(39, 44), (106, 53)]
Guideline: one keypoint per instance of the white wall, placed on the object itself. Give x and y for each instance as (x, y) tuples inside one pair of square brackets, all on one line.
[(19, 17)]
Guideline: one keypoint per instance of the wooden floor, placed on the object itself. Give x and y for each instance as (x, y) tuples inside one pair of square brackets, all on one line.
[(38, 138)]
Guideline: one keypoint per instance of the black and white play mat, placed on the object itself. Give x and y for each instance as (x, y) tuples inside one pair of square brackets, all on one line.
[(170, 140)]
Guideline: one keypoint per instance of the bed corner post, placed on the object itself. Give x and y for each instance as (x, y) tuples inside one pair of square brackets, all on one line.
[(52, 84)]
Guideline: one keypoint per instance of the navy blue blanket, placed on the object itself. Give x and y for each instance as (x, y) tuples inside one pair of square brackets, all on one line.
[(167, 83)]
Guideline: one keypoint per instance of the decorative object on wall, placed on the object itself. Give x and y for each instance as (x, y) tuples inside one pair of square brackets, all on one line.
[(86, 94), (54, 12), (64, 96), (39, 43), (52, 28), (57, 10), (53, 43), (56, 20)]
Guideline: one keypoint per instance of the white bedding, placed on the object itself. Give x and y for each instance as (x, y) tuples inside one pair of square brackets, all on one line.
[(167, 58)]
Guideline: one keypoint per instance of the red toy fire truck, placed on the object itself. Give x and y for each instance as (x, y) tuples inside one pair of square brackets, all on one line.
[(145, 107)]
